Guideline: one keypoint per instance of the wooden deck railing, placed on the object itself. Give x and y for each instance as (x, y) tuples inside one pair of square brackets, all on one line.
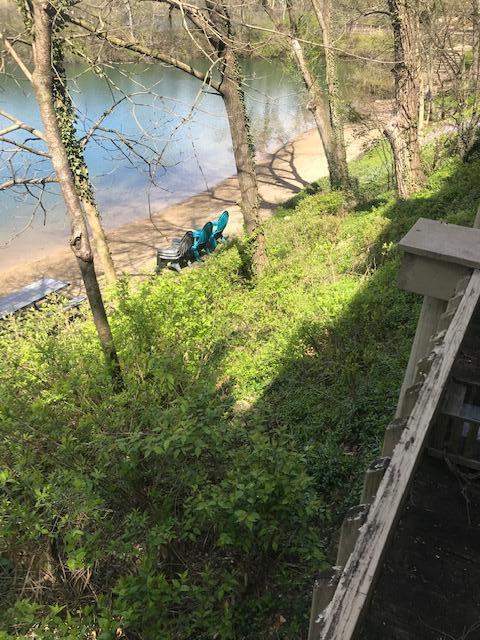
[(436, 399)]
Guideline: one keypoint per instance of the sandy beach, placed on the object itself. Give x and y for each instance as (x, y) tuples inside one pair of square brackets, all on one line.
[(281, 175)]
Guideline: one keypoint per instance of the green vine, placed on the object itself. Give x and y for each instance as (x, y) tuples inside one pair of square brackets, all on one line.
[(62, 102)]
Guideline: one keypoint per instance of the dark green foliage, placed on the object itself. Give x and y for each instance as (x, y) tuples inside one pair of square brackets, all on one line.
[(200, 502)]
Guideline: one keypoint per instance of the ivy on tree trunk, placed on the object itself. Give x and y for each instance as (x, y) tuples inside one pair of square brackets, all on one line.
[(58, 125)]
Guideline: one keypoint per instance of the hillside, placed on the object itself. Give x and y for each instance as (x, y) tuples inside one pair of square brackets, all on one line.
[(200, 502)]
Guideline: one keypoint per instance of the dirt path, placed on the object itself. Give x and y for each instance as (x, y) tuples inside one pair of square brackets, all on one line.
[(281, 175)]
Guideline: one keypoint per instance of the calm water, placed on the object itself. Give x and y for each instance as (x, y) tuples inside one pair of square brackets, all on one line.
[(184, 131)]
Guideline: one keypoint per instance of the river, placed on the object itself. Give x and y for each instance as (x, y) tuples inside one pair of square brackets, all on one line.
[(184, 131)]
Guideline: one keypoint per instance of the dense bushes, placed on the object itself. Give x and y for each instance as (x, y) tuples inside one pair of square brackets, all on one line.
[(199, 503)]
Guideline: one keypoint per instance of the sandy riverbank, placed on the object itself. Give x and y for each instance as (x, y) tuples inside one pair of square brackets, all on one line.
[(281, 175)]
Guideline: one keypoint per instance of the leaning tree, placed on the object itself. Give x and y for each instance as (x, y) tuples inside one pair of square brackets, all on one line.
[(324, 106), (43, 19)]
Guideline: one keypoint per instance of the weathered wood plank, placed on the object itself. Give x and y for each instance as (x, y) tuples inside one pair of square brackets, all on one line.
[(430, 314), (341, 618), (349, 532), (323, 590), (411, 397), (445, 320), (428, 277), (373, 478), (392, 436), (424, 366), (29, 295), (446, 242)]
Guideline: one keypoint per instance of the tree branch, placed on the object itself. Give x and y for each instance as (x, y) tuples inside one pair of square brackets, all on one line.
[(84, 140), (142, 49), (24, 147), (16, 57), (22, 125), (18, 182)]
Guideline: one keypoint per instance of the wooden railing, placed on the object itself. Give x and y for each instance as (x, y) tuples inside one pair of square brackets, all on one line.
[(435, 411)]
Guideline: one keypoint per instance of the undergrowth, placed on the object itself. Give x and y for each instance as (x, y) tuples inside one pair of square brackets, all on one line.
[(201, 501)]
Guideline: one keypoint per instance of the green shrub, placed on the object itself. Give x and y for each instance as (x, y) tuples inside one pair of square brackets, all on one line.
[(200, 502)]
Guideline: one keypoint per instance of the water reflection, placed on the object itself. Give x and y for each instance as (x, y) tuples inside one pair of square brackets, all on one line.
[(191, 145)]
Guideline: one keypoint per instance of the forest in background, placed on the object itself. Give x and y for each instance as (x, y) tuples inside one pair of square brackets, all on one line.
[(362, 35), (176, 460)]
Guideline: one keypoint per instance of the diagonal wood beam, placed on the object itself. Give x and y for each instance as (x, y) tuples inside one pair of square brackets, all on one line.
[(342, 617)]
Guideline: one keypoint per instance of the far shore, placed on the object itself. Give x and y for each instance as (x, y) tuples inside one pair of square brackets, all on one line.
[(281, 175)]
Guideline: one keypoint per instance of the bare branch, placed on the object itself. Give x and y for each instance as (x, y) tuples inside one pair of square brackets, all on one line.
[(22, 125), (16, 182), (85, 139), (24, 147), (13, 127), (16, 57), (138, 47)]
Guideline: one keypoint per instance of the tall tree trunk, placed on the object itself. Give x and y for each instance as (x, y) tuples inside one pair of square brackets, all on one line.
[(83, 185), (317, 102), (402, 131), (43, 84), (231, 90), (244, 153), (243, 147), (99, 240), (323, 11)]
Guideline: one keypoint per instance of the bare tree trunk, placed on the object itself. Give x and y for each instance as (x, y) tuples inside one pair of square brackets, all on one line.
[(244, 153), (402, 131), (43, 84), (319, 108), (99, 240), (231, 90), (317, 102), (82, 181), (323, 11), (243, 148)]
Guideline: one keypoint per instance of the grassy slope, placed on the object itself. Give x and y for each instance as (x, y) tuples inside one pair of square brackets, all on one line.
[(206, 496)]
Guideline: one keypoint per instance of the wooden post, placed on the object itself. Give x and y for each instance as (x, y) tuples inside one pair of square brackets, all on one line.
[(342, 617), (392, 435), (373, 478), (430, 314), (354, 519), (436, 256), (410, 398), (323, 590)]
